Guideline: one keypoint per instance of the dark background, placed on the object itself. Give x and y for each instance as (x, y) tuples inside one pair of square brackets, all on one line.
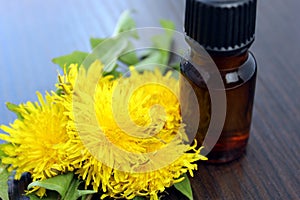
[(32, 32)]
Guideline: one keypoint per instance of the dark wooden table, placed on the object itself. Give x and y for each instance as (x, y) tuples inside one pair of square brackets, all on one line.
[(32, 32)]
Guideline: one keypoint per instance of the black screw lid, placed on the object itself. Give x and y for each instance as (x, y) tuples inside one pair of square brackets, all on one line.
[(221, 25)]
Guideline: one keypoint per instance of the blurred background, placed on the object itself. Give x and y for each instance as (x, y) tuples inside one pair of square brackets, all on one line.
[(33, 32)]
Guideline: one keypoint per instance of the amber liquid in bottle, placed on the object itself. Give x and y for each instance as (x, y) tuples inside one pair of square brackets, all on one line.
[(238, 73)]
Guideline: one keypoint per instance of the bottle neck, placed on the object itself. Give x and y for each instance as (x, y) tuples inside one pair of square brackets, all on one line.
[(224, 61)]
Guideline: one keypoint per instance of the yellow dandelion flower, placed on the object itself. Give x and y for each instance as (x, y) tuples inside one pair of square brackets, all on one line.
[(37, 140), (126, 135)]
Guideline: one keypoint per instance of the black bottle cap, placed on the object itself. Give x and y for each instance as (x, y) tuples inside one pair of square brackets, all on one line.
[(221, 26)]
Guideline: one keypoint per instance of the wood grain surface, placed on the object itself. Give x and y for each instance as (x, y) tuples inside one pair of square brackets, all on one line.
[(32, 32)]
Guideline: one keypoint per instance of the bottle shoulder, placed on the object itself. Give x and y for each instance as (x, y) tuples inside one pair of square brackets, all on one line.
[(240, 75), (232, 77)]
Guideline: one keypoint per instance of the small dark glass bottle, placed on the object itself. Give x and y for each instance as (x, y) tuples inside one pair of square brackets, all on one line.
[(225, 29)]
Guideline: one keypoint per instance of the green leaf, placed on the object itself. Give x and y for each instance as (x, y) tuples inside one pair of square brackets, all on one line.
[(113, 73), (4, 175), (185, 187), (74, 194), (175, 66), (111, 50), (154, 59), (34, 197), (162, 44), (164, 41), (14, 108), (167, 24), (77, 57), (66, 185), (51, 195), (58, 183), (108, 52), (131, 57), (96, 41), (126, 23)]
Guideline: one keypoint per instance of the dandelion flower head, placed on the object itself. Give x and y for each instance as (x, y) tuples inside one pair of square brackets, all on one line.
[(36, 141), (126, 134)]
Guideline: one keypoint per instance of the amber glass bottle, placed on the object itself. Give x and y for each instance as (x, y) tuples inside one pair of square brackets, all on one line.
[(225, 29)]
